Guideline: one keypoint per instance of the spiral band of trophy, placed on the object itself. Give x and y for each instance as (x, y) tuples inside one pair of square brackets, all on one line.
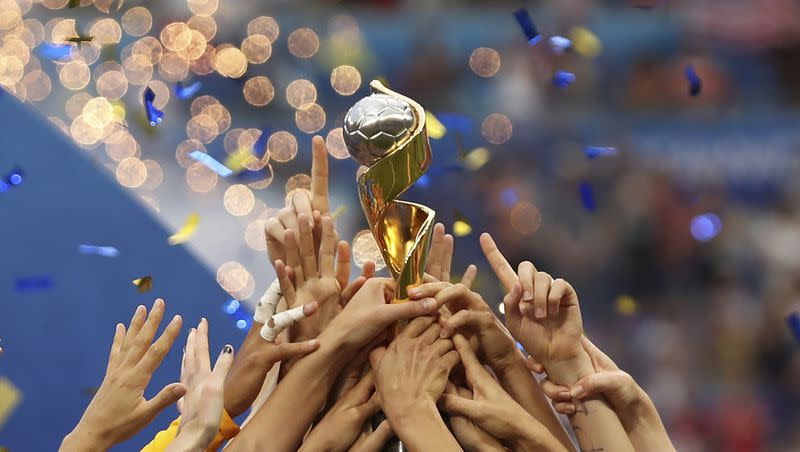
[(386, 132)]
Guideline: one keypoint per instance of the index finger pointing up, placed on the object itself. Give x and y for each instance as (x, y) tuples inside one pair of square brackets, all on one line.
[(499, 264), (319, 175)]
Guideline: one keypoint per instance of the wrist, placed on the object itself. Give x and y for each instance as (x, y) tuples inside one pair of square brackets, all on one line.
[(528, 435), (86, 437), (405, 414), (568, 372)]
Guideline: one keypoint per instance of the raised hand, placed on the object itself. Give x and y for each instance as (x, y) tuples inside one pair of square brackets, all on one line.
[(201, 407), (541, 313), (119, 410), (301, 202), (342, 424), (471, 437), (492, 409), (632, 405), (440, 259)]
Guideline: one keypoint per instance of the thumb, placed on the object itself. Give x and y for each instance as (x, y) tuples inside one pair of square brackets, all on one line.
[(291, 350), (223, 364), (169, 395), (375, 357), (390, 313), (610, 384)]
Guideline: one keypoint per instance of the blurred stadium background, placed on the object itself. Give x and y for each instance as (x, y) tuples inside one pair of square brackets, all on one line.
[(687, 261)]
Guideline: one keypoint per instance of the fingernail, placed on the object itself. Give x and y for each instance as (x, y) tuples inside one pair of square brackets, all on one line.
[(313, 342), (576, 391), (429, 304), (414, 292), (540, 313), (571, 408), (527, 295), (444, 333), (564, 395), (227, 349)]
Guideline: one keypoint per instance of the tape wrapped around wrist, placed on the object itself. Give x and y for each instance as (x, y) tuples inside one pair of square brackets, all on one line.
[(280, 322), (269, 303)]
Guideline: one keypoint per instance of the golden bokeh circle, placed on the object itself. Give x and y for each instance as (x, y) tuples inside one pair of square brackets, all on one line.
[(202, 128), (10, 15), (131, 172), (231, 140), (200, 178), (174, 66), (184, 149), (84, 133), (254, 235), (160, 89), (11, 70), (303, 43), (301, 92), (58, 30), (484, 61), (74, 105), (105, 32), (265, 181), (37, 85), (334, 142), (137, 21), (256, 48), (54, 4), (258, 91), (496, 128), (122, 146), (206, 25), (310, 118), (36, 29), (282, 146), (98, 112), (204, 64), (366, 248), (176, 36), (238, 200), (200, 103), (345, 80), (525, 218), (232, 276), (298, 182), (138, 69), (112, 85), (221, 116), (196, 47), (155, 175), (148, 46), (203, 7), (231, 62), (264, 25), (16, 48)]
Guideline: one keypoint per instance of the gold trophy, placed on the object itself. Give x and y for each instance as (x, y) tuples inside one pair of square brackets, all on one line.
[(386, 133)]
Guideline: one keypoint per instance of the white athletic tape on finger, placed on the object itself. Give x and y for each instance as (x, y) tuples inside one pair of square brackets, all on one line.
[(280, 322), (269, 303)]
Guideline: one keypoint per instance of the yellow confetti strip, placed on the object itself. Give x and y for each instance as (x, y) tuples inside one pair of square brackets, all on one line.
[(186, 231), (585, 43), (625, 305), (144, 284), (338, 212), (236, 162), (436, 129), (476, 158), (10, 397), (461, 227)]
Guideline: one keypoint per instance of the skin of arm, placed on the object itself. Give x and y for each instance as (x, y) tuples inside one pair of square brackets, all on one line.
[(543, 314)]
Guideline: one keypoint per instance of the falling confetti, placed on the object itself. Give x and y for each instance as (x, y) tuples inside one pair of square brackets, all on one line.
[(211, 163), (563, 79), (237, 161), (587, 196), (154, 115), (585, 43), (625, 305), (338, 212), (10, 397), (74, 3), (593, 152), (185, 92), (477, 158), (106, 251), (144, 284), (33, 283), (526, 23), (793, 321), (436, 129), (695, 83), (559, 44), (54, 52), (462, 226), (186, 231), (80, 39)]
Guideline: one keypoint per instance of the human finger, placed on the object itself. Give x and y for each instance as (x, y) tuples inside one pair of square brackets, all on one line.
[(342, 271), (147, 333), (434, 267), (555, 392), (499, 264), (273, 230), (286, 286), (308, 255), (467, 319), (541, 287), (600, 360), (114, 356), (319, 175), (137, 321), (293, 257), (526, 272), (158, 350), (447, 257), (469, 276), (327, 249)]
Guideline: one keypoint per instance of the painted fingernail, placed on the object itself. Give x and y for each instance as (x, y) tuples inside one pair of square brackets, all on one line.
[(429, 304), (527, 295), (540, 313), (576, 391), (227, 349)]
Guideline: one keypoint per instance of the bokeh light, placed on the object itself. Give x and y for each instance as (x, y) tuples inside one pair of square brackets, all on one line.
[(183, 150), (203, 7), (200, 178), (232, 276), (105, 32), (484, 61), (300, 93), (525, 218), (298, 182), (366, 248), (705, 227), (255, 236), (112, 85), (310, 118), (137, 21), (155, 175), (122, 145), (202, 128), (282, 146), (334, 142), (345, 80), (496, 128), (264, 25), (37, 85), (238, 200), (131, 172), (258, 91), (256, 48), (303, 43), (231, 62), (206, 25), (176, 36)]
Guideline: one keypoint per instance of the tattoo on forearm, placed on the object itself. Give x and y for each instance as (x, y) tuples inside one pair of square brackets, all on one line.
[(585, 439)]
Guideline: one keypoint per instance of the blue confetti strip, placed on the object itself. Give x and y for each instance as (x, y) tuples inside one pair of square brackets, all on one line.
[(260, 146), (526, 22), (587, 196), (185, 92), (593, 152), (106, 251), (793, 320), (211, 163), (54, 52), (563, 79), (154, 115), (559, 44), (33, 283), (695, 84)]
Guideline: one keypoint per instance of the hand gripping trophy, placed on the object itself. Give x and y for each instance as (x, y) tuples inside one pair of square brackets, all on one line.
[(386, 133)]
